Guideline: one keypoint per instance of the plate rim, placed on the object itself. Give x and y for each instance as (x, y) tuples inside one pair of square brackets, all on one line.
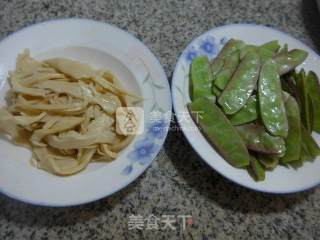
[(161, 142), (174, 104)]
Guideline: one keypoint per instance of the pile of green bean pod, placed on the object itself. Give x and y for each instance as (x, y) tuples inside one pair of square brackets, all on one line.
[(255, 108)]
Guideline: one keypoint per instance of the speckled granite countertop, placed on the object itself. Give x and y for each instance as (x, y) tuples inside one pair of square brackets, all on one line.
[(178, 182)]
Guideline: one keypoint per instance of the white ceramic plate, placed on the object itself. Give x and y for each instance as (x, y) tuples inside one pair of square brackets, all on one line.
[(102, 46), (281, 180)]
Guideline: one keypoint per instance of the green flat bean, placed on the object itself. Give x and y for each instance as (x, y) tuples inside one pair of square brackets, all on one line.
[(212, 99), (285, 96), (293, 74), (201, 78), (256, 169), (271, 103), (288, 61), (285, 86), (272, 46), (288, 84), (241, 85), (310, 107), (309, 142), (247, 114), (296, 164), (270, 162), (258, 140), (293, 140), (314, 93), (246, 49), (228, 49), (216, 91), (305, 153), (265, 51), (230, 65), (305, 104), (268, 50), (219, 131), (304, 156), (284, 49), (264, 54), (216, 65)]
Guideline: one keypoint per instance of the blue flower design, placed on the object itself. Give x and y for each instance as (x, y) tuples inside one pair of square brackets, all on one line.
[(143, 151), (191, 54), (127, 170), (157, 129), (223, 40), (208, 46)]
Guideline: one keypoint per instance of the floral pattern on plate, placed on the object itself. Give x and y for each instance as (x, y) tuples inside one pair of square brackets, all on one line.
[(208, 45), (147, 146)]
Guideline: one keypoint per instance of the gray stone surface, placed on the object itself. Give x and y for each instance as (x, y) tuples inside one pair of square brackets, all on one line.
[(178, 182)]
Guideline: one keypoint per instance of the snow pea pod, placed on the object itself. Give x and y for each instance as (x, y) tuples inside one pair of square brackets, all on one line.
[(288, 61), (298, 163), (246, 49), (270, 162), (230, 65), (288, 84), (247, 114), (216, 91), (284, 49), (285, 96), (255, 169), (228, 49), (271, 103), (272, 46), (285, 86), (241, 85), (258, 140), (305, 154), (219, 132), (201, 77), (305, 104), (216, 65), (314, 93), (310, 143), (264, 54), (265, 51), (293, 140)]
